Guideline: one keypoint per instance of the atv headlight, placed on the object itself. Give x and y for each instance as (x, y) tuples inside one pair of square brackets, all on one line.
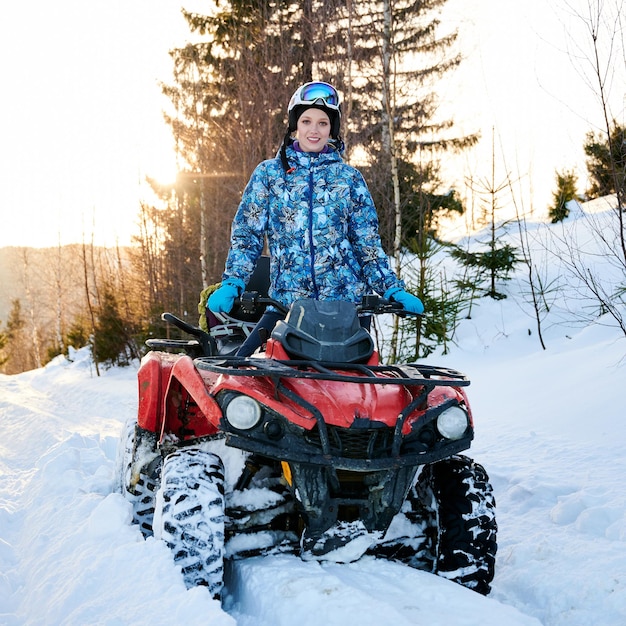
[(243, 412), (452, 423)]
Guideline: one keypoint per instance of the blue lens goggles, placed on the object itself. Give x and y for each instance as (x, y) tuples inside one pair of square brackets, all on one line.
[(312, 92)]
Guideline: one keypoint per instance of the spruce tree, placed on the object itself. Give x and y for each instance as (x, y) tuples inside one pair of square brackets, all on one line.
[(494, 264), (112, 341), (566, 182), (606, 163), (18, 356), (4, 340)]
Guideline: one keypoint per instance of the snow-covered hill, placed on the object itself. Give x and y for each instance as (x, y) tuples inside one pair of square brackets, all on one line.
[(550, 430)]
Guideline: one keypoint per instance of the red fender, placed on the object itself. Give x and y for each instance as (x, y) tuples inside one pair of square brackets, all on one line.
[(152, 376), (201, 417)]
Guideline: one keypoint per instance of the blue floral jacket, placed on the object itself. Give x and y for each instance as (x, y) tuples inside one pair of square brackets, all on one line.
[(321, 227)]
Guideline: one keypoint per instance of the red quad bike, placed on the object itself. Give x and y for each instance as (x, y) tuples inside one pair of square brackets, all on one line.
[(310, 447)]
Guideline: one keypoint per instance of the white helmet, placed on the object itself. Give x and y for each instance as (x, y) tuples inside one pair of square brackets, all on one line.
[(320, 96)]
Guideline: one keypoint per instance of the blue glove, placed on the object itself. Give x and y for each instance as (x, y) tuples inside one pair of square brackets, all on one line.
[(223, 298), (410, 302)]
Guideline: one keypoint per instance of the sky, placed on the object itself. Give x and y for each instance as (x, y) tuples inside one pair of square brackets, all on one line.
[(549, 430), (81, 122), (526, 83)]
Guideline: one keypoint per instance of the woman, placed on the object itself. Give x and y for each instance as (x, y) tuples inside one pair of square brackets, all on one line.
[(319, 219)]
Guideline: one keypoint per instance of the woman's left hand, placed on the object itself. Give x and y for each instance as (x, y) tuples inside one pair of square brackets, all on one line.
[(410, 302)]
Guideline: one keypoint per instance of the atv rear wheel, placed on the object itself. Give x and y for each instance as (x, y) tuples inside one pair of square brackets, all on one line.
[(142, 492), (189, 516), (459, 492)]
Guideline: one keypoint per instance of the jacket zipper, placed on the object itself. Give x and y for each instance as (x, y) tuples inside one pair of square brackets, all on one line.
[(311, 242)]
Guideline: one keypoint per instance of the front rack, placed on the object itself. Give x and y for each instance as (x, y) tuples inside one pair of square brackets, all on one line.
[(405, 374)]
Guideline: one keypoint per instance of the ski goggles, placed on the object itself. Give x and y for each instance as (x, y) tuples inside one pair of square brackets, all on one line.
[(312, 93)]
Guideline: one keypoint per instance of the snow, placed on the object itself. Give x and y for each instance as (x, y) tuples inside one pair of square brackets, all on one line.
[(549, 430)]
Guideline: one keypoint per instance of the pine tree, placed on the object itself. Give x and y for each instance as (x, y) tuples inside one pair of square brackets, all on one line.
[(112, 341), (494, 264), (4, 340), (443, 299), (606, 163), (566, 182), (18, 355)]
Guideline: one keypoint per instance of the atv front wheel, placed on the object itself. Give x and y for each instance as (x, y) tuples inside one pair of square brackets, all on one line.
[(462, 497), (189, 516)]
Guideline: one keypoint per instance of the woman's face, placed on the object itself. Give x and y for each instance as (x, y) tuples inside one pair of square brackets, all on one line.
[(313, 130)]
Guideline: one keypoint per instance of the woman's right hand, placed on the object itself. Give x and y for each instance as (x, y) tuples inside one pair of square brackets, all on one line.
[(222, 299)]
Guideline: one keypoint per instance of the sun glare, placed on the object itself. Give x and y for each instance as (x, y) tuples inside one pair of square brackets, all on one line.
[(163, 168)]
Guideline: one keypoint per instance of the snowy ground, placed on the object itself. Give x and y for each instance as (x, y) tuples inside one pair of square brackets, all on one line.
[(550, 430)]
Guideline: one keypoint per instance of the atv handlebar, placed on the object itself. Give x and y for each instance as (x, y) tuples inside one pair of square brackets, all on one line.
[(376, 305), (250, 301), (194, 331), (205, 341)]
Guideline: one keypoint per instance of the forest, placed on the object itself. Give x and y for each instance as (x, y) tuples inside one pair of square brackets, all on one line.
[(227, 112)]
